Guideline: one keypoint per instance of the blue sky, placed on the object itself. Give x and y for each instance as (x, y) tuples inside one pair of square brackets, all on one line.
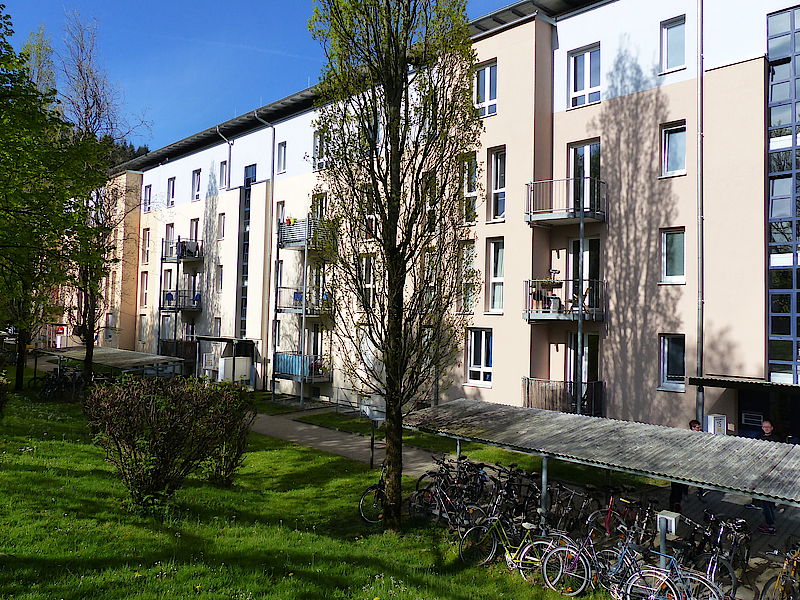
[(186, 65)]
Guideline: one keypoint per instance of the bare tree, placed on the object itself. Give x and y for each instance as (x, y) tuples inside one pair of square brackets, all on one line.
[(396, 129)]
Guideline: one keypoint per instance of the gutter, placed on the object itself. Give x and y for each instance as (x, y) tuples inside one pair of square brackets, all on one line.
[(700, 394)]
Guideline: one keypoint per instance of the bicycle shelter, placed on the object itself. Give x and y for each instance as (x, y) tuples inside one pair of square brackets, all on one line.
[(757, 468), (122, 361)]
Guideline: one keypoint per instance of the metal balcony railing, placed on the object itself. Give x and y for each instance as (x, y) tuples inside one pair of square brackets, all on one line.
[(181, 249), (555, 201), (298, 232), (317, 301), (181, 300), (305, 367), (560, 396), (564, 299)]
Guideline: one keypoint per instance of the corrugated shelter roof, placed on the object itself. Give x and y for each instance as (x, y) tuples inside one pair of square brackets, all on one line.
[(761, 469), (115, 358)]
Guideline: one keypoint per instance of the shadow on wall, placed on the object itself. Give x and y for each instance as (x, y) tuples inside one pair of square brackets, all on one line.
[(639, 205), (211, 301)]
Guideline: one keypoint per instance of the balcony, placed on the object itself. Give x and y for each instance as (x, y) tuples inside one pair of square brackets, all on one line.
[(298, 233), (188, 300), (185, 349), (560, 396), (180, 249), (302, 367), (564, 299), (561, 201), (317, 302)]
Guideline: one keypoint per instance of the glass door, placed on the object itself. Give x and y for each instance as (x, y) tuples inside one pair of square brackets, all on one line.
[(585, 293), (590, 369), (584, 165)]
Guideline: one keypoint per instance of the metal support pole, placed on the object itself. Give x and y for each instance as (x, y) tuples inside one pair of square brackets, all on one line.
[(543, 500), (578, 376), (662, 542), (458, 448), (372, 444)]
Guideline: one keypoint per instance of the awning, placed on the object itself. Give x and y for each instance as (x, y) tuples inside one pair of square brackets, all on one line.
[(745, 383), (222, 339), (756, 468), (124, 360)]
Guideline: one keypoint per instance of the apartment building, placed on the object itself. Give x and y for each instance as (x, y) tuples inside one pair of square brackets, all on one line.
[(636, 231)]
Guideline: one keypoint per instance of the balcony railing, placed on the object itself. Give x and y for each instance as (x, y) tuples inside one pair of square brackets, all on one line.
[(561, 201), (564, 299), (181, 249), (185, 349), (302, 367), (560, 396), (298, 232), (316, 301), (182, 300)]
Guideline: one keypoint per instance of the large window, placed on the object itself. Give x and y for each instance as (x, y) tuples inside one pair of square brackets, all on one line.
[(673, 362), (281, 157), (145, 246), (673, 149), (496, 274), (479, 359), (673, 263), (171, 191), (486, 90), (584, 76), (196, 185), (467, 263), (470, 182), (673, 43), (143, 289), (498, 178)]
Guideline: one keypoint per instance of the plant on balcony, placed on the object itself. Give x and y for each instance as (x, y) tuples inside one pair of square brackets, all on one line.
[(550, 284)]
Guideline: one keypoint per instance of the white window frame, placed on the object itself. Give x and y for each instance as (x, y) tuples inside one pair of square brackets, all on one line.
[(223, 174), (217, 326), (143, 284), (281, 159), (499, 164), (318, 151), (145, 245), (495, 280), (171, 191), (220, 226), (368, 279), (666, 382), (587, 89), (470, 189), (147, 197), (666, 234), (370, 227), (220, 273), (142, 334), (196, 185), (485, 103), (666, 26), (467, 266), (479, 372), (666, 132)]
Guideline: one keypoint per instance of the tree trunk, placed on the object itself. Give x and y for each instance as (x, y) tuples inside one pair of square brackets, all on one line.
[(23, 337), (90, 325)]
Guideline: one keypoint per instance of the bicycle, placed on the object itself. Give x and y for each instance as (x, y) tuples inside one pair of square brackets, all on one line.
[(784, 585), (373, 499)]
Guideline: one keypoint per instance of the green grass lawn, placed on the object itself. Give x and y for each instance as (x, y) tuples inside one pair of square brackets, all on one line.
[(288, 529), (575, 473)]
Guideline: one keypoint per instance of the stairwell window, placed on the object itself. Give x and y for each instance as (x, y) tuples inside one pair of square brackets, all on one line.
[(171, 191), (673, 362), (143, 288), (673, 44), (673, 149), (145, 246), (584, 76), (496, 251), (219, 278), (142, 328), (367, 281), (146, 198), (486, 90), (195, 185), (319, 151), (221, 226), (281, 157), (467, 265), (470, 183), (673, 263), (479, 358), (223, 174)]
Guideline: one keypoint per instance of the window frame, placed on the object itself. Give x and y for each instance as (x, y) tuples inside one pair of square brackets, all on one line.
[(665, 383), (587, 90), (665, 235), (665, 49), (368, 281), (496, 191), (494, 281), (469, 188), (280, 161), (221, 226), (171, 191), (223, 174), (142, 327), (143, 285), (487, 106), (196, 185), (466, 259), (220, 273), (318, 159), (146, 245), (217, 326), (484, 367), (666, 130), (147, 198)]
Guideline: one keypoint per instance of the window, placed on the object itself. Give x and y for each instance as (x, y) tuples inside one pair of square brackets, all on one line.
[(249, 175), (319, 151), (146, 198), (143, 289), (219, 278), (486, 90), (673, 267), (368, 281), (673, 149), (169, 241), (470, 176), (279, 273), (370, 227), (145, 246), (109, 326), (430, 194), (479, 360), (673, 44), (498, 187), (223, 174), (673, 362), (167, 330), (194, 229), (496, 270), (171, 191), (467, 263), (142, 327), (196, 184), (167, 285), (281, 157), (584, 76), (217, 326), (220, 226)]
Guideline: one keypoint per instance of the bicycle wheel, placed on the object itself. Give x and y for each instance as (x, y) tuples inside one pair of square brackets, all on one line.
[(604, 525), (650, 584), (426, 480), (478, 545), (778, 588), (467, 517), (529, 563), (370, 506), (609, 570), (719, 571), (698, 587), (422, 504), (566, 570)]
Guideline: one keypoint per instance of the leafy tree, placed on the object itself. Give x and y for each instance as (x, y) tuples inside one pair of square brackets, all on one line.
[(396, 122)]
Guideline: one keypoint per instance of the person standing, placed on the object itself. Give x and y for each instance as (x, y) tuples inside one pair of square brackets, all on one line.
[(678, 490), (768, 527)]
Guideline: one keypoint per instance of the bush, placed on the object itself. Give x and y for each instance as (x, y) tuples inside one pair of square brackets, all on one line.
[(221, 467), (3, 394), (158, 431)]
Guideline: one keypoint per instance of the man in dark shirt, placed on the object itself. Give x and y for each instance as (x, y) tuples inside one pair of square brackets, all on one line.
[(768, 434)]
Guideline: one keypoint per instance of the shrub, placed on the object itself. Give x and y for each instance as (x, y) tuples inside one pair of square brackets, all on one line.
[(3, 394), (157, 431), (223, 464)]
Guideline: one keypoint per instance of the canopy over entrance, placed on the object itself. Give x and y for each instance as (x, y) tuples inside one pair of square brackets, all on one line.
[(114, 358), (756, 468)]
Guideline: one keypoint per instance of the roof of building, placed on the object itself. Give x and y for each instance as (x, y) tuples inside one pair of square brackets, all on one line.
[(304, 99), (757, 468), (745, 383)]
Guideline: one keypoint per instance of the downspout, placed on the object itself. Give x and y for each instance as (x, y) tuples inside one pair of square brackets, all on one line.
[(227, 182), (700, 396), (268, 265)]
